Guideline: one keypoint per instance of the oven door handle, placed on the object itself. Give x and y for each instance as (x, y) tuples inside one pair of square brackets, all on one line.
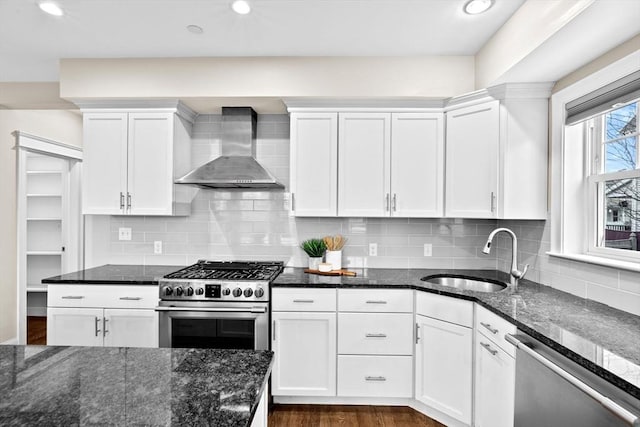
[(215, 310)]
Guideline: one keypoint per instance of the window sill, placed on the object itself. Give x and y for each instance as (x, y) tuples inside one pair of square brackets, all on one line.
[(605, 262)]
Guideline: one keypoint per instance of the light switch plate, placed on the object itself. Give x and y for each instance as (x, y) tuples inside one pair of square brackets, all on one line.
[(124, 233), (428, 249)]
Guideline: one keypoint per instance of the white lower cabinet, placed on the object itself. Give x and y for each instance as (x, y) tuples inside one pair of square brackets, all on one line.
[(375, 376), (444, 362), (303, 338), (495, 371), (102, 315)]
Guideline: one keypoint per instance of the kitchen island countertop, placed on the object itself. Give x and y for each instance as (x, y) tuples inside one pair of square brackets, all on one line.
[(41, 385), (600, 338)]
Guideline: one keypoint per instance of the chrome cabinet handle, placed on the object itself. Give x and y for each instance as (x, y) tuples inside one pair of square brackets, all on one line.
[(96, 325), (273, 329), (130, 298), (367, 378), (488, 326), (376, 335), (308, 301), (128, 201), (386, 202), (395, 204), (489, 349), (104, 327), (293, 201), (493, 201), (72, 297), (121, 200), (376, 302), (417, 333)]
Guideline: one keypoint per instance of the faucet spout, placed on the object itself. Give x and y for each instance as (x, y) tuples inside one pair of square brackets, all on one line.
[(515, 274)]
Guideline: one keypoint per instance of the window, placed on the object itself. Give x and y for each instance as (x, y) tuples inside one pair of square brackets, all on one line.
[(614, 181), (595, 167)]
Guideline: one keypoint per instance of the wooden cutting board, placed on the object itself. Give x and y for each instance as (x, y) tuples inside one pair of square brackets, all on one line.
[(332, 272)]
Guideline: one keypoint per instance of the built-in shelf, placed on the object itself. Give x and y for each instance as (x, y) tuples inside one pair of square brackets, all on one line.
[(45, 219), (35, 288), (44, 195), (47, 253), (44, 173)]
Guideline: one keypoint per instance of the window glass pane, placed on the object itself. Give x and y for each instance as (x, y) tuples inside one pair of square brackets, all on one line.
[(621, 216), (621, 154), (621, 122)]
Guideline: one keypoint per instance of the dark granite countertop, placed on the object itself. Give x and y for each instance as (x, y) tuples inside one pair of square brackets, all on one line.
[(61, 386), (603, 339), (115, 274)]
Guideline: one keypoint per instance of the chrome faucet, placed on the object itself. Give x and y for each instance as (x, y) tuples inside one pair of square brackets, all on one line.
[(515, 274)]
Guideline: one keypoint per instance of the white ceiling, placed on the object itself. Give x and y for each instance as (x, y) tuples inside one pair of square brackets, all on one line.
[(31, 42)]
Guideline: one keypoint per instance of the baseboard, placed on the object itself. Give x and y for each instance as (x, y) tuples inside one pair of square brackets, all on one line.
[(335, 400), (12, 341), (436, 415)]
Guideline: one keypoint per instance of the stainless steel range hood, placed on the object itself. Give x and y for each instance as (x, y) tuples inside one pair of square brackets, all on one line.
[(236, 167)]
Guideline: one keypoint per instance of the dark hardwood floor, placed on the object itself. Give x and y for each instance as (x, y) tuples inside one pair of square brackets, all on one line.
[(36, 330), (347, 416)]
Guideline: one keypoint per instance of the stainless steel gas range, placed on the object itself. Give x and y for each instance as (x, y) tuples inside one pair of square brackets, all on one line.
[(217, 304)]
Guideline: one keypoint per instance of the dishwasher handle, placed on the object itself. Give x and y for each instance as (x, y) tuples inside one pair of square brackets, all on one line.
[(610, 405)]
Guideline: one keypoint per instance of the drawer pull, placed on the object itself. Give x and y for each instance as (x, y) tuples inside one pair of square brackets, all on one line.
[(488, 326), (376, 302), (96, 326), (308, 301), (131, 298), (376, 335), (489, 349), (72, 297), (104, 327), (375, 379)]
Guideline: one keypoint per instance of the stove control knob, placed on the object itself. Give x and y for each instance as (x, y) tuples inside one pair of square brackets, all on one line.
[(248, 292), (237, 292), (259, 292), (189, 291), (167, 290), (226, 291), (199, 291), (179, 291)]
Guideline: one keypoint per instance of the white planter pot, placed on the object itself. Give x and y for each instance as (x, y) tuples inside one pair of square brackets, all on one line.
[(314, 262)]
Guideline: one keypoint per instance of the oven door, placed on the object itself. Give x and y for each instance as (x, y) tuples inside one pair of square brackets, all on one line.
[(214, 325)]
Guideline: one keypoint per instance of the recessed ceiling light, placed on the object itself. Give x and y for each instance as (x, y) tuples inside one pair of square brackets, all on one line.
[(241, 6), (474, 7), (51, 8), (195, 29)]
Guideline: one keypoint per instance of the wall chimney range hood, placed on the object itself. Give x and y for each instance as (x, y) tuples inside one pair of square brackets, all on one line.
[(236, 167)]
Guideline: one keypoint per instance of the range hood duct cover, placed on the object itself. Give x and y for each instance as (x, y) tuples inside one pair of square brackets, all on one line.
[(236, 167)]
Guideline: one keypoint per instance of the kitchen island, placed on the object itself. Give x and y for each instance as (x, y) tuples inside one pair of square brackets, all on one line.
[(42, 385)]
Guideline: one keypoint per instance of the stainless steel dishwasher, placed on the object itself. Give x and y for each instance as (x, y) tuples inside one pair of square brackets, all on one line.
[(553, 391)]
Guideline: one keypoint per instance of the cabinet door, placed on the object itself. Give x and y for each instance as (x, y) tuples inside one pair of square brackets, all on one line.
[(417, 164), (130, 328), (363, 168), (472, 161), (150, 167), (443, 367), (314, 164), (305, 354), (104, 169), (74, 326), (495, 373)]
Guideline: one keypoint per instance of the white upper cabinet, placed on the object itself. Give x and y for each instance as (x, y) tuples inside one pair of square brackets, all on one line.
[(364, 155), (496, 155), (131, 161), (417, 164), (314, 164), (472, 161)]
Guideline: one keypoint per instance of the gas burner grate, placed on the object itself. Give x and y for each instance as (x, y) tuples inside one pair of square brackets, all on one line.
[(229, 270)]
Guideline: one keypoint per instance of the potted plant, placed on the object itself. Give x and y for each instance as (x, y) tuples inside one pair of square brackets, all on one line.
[(315, 249)]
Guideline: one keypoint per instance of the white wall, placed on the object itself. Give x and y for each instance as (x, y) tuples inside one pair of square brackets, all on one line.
[(63, 126)]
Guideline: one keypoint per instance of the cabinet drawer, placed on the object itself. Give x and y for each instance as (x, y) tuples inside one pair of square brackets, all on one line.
[(375, 376), (495, 328), (104, 296), (449, 309), (376, 300), (307, 299), (375, 333)]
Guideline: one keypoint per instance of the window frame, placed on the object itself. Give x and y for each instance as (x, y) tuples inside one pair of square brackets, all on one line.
[(572, 188)]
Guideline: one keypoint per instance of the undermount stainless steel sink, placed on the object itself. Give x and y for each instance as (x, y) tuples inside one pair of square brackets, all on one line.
[(468, 284)]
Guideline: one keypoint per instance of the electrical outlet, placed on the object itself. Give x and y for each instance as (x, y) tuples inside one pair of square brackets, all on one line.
[(157, 247), (428, 249), (373, 249), (124, 233)]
